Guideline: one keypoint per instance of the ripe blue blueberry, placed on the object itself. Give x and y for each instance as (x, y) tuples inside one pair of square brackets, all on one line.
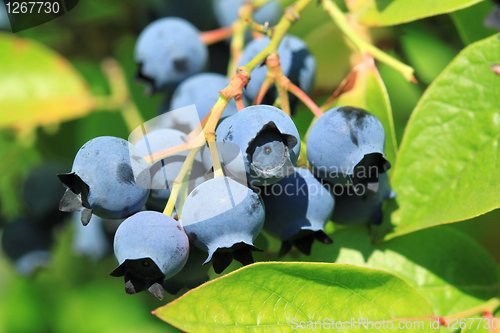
[(493, 18), (27, 245), (4, 18), (297, 63), (363, 205), (346, 145), (297, 210), (150, 247), (226, 12), (164, 172), (168, 51), (223, 217), (102, 180), (202, 90), (268, 139)]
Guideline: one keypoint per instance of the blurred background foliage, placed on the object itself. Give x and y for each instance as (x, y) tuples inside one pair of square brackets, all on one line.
[(75, 294)]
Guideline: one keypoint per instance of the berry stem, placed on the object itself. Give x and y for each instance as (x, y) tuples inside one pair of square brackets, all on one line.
[(280, 80), (260, 28), (193, 143), (362, 45), (305, 99), (239, 102), (262, 91), (215, 36), (236, 47), (239, 28), (180, 180), (290, 16)]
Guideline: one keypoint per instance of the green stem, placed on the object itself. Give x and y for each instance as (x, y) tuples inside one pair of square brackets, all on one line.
[(179, 181), (291, 16), (362, 45)]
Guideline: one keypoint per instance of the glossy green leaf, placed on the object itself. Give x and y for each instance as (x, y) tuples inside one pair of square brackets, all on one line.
[(276, 297), (447, 169), (38, 87), (392, 12), (364, 88), (469, 22), (448, 268)]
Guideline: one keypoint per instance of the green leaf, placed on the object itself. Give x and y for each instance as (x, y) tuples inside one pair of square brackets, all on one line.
[(276, 297), (447, 169), (469, 22), (365, 89), (38, 87), (447, 267), (392, 12)]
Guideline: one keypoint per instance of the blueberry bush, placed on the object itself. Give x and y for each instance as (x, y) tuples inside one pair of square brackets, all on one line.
[(252, 166)]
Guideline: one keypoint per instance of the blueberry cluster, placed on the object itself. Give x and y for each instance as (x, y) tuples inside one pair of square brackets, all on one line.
[(180, 204)]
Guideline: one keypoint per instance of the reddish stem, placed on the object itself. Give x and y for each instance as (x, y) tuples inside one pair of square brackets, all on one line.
[(262, 91), (217, 35), (239, 102), (198, 128), (305, 99)]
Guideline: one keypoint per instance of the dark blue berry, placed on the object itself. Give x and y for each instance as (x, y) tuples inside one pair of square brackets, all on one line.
[(346, 145), (223, 217), (297, 210), (102, 180), (168, 51), (268, 139), (150, 247)]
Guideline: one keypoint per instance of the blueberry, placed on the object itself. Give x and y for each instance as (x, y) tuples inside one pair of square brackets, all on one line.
[(193, 274), (91, 240), (223, 217), (4, 18), (297, 63), (226, 12), (27, 245), (346, 145), (268, 140), (493, 19), (363, 205), (297, 209), (202, 90), (102, 180), (150, 247), (164, 172), (168, 51)]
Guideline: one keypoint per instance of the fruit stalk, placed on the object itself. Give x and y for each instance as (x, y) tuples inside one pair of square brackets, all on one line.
[(179, 181), (217, 35), (362, 45), (300, 94), (291, 16)]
